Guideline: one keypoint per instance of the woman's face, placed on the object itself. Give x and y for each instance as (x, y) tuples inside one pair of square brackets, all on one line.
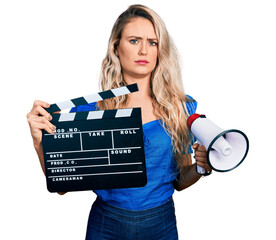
[(138, 49)]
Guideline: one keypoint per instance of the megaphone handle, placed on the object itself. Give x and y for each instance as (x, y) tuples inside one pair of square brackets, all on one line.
[(199, 169)]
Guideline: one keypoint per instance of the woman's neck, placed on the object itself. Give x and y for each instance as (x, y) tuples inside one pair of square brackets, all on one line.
[(142, 99), (143, 87)]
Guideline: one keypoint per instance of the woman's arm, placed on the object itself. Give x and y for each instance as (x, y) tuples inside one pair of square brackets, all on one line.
[(188, 175), (39, 119)]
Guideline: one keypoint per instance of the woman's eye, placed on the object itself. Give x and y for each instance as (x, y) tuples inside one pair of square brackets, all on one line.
[(134, 41), (152, 43)]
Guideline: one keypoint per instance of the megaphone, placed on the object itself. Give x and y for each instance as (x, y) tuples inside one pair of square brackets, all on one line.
[(226, 149)]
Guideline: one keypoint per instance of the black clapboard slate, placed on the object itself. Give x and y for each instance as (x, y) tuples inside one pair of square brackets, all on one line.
[(95, 150)]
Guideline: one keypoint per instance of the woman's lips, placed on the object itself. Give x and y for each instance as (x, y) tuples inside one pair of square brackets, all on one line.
[(142, 62)]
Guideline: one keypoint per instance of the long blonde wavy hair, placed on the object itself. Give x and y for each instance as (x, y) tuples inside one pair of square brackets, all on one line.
[(166, 86)]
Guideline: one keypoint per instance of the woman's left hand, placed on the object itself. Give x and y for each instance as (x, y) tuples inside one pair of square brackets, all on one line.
[(201, 157)]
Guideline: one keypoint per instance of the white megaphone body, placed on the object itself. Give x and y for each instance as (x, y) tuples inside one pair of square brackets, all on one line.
[(226, 149)]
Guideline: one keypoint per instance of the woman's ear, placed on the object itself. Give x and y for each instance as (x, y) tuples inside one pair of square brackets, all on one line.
[(116, 52)]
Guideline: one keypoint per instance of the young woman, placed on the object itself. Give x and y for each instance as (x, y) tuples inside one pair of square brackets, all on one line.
[(141, 51)]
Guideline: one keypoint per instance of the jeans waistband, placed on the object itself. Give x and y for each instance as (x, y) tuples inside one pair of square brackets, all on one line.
[(131, 215)]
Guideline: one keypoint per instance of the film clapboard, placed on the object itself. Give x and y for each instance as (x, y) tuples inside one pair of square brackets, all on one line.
[(95, 150)]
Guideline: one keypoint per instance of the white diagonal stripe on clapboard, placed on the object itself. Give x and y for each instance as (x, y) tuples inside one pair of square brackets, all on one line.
[(95, 114), (64, 117), (120, 91), (65, 104), (93, 98), (123, 112)]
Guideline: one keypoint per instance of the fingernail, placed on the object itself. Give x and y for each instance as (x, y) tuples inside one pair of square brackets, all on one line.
[(50, 117)]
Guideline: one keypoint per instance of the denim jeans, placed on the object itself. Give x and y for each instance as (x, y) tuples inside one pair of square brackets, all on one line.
[(110, 222)]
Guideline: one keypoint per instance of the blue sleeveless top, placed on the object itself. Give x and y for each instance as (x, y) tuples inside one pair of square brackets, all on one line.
[(161, 168)]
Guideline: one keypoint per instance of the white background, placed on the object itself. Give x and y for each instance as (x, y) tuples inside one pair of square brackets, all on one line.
[(52, 50)]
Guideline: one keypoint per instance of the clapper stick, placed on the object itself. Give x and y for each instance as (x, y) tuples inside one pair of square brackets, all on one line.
[(95, 150), (93, 98)]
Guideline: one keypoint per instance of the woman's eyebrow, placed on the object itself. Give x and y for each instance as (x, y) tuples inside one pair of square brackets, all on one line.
[(136, 37)]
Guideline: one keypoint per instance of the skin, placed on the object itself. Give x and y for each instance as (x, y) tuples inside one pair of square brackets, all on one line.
[(138, 42)]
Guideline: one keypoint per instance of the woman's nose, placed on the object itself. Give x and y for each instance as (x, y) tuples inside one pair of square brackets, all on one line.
[(143, 49)]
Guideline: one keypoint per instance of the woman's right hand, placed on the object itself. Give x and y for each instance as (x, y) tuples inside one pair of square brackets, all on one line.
[(39, 119)]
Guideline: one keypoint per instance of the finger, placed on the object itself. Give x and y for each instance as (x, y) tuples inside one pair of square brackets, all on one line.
[(200, 154), (195, 145), (41, 103), (39, 110), (201, 148), (204, 165), (45, 121), (42, 126), (40, 120), (201, 160), (61, 193)]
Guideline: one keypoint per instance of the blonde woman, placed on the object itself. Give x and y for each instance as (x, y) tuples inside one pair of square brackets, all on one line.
[(141, 51)]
